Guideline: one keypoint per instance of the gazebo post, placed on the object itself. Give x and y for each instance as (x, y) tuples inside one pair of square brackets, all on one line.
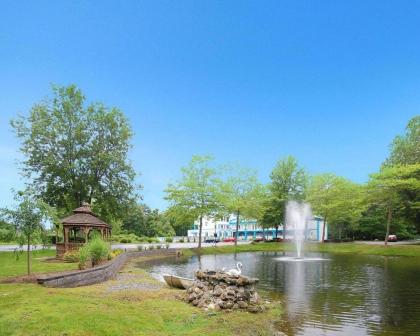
[(66, 239)]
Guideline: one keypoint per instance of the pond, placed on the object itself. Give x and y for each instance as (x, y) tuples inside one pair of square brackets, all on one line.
[(338, 294)]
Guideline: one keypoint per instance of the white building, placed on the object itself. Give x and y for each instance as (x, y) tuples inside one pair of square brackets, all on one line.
[(249, 229)]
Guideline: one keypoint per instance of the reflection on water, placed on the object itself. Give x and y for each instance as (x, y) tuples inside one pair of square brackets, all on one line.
[(344, 295)]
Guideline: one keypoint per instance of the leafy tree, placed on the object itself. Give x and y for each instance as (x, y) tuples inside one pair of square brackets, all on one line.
[(159, 225), (28, 219), (135, 219), (387, 189), (180, 219), (288, 182), (196, 191), (405, 149), (7, 233), (240, 193), (77, 152), (337, 199)]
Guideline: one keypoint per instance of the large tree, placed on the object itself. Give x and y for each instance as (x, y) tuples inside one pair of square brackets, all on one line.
[(240, 193), (388, 189), (196, 191), (76, 152), (288, 182), (405, 149)]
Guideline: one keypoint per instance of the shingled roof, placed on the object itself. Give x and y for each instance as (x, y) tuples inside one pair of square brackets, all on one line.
[(84, 216)]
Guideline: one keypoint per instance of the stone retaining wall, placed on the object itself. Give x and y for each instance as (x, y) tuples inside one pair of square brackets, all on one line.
[(97, 274)]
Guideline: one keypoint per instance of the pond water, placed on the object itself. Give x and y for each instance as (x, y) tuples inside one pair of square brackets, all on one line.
[(335, 294)]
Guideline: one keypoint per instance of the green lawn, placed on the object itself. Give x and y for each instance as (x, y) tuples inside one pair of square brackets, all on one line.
[(11, 266), (29, 309), (396, 250)]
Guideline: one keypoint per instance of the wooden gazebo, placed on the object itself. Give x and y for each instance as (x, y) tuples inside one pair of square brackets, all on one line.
[(78, 227)]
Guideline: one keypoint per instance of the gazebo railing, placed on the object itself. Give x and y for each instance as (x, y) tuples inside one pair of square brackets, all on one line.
[(61, 247)]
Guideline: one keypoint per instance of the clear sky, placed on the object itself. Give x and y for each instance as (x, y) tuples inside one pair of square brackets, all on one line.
[(330, 82)]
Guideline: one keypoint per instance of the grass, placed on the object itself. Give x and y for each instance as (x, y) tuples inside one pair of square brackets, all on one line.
[(12, 264), (28, 309), (392, 250)]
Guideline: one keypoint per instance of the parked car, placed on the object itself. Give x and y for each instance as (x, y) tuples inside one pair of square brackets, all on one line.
[(229, 239), (258, 239), (392, 238), (212, 240)]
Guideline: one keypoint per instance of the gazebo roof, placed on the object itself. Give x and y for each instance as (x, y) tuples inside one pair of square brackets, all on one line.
[(83, 216)]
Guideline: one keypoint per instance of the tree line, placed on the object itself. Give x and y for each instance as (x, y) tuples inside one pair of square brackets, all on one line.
[(76, 151), (388, 203)]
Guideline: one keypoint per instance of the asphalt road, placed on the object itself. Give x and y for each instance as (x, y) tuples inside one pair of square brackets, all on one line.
[(133, 246)]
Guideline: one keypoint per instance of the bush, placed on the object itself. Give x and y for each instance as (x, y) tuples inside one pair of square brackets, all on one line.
[(117, 252), (98, 250), (71, 256), (125, 240), (150, 240), (169, 239), (151, 247), (181, 240), (159, 247), (84, 255), (167, 246)]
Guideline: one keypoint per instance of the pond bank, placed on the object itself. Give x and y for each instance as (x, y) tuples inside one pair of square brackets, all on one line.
[(134, 303), (354, 248)]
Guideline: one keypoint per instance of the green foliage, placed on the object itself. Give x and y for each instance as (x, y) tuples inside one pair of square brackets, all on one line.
[(288, 182), (405, 149), (28, 219), (169, 240), (98, 250), (7, 232), (71, 256), (180, 219), (196, 191), (396, 189), (143, 221), (240, 193), (84, 255), (339, 201), (76, 152)]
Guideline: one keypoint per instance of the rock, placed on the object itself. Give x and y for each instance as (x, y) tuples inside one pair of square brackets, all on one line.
[(216, 290)]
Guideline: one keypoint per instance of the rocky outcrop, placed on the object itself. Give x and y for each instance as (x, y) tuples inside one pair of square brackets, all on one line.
[(218, 290)]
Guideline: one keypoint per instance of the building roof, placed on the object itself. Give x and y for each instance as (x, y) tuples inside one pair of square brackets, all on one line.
[(83, 216)]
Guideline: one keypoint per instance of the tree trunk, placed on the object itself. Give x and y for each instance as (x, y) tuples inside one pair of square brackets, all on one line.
[(200, 231), (323, 228), (237, 228), (29, 254), (339, 232), (388, 225)]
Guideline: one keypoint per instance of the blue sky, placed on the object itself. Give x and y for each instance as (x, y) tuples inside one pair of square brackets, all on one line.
[(330, 82)]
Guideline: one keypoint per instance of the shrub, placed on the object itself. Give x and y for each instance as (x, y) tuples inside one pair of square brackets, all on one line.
[(167, 246), (71, 256), (158, 247), (84, 255), (125, 240), (117, 252), (181, 240), (151, 247), (169, 239), (98, 250), (150, 240)]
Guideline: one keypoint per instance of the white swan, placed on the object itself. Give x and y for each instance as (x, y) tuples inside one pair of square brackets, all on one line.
[(237, 270)]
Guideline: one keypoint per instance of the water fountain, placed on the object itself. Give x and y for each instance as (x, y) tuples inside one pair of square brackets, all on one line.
[(298, 214), (297, 217)]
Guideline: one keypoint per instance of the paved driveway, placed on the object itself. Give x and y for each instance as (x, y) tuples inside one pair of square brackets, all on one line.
[(133, 246)]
